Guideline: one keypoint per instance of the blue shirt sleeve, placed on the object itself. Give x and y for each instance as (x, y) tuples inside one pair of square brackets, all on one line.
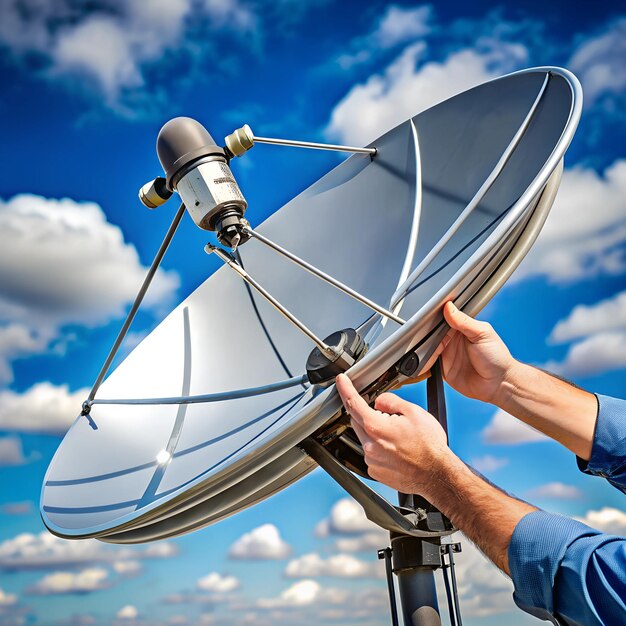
[(562, 567), (608, 453)]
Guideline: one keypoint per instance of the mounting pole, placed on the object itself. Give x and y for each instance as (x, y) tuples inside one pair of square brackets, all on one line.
[(415, 559)]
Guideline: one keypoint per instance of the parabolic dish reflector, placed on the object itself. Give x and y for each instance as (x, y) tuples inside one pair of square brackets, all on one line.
[(445, 210)]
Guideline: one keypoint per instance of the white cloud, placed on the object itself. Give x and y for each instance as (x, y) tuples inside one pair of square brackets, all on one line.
[(601, 331), (504, 429), (17, 340), (365, 542), (483, 589), (608, 520), (555, 491), (7, 599), (262, 543), (339, 565), (299, 594), (598, 62), (305, 593), (11, 452), (217, 583), (606, 315), (85, 581), (127, 568), (585, 233), (128, 612), (400, 24), (110, 46), (44, 408), (408, 86), (346, 516), (488, 463), (396, 26), (78, 270), (28, 551), (599, 353)]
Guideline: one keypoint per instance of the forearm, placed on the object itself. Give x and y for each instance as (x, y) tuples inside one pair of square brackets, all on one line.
[(552, 406), (485, 514)]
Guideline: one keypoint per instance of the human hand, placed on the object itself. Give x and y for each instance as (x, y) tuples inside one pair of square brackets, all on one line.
[(404, 445), (475, 361)]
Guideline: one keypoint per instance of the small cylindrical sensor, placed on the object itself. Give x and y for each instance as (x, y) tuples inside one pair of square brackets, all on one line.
[(209, 189)]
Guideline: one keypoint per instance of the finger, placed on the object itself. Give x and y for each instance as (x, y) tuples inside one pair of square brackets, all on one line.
[(440, 350), (390, 403), (360, 433), (472, 329), (354, 403)]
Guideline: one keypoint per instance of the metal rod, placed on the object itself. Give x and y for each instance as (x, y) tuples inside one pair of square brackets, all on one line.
[(325, 277), (313, 145), (475, 201), (455, 595), (386, 554), (209, 397), (136, 304), (232, 263), (451, 606), (353, 445)]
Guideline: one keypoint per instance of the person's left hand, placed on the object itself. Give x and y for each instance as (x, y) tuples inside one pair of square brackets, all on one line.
[(404, 445)]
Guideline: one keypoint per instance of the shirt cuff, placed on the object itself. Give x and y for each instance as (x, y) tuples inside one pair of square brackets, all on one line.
[(538, 545), (607, 452)]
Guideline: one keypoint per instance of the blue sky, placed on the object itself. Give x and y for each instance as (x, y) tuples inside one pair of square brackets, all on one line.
[(85, 88)]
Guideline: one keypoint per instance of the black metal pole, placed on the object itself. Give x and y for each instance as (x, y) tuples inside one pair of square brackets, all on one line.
[(414, 559), (418, 597)]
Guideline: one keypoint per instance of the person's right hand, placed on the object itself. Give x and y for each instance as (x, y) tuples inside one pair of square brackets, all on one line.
[(475, 361)]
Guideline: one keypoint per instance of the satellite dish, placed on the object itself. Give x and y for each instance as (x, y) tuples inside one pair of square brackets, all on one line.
[(208, 414)]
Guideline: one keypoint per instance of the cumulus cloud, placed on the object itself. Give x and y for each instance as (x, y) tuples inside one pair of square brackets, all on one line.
[(111, 47), (262, 543), (301, 594), (78, 270), (339, 565), (600, 333), (45, 551), (85, 581), (585, 320), (594, 355), (11, 452), (504, 429), (608, 520), (483, 589), (556, 491), (7, 599), (127, 568), (585, 233), (346, 517), (410, 85), (128, 612), (488, 463), (365, 542), (44, 408), (217, 583), (397, 25), (597, 61)]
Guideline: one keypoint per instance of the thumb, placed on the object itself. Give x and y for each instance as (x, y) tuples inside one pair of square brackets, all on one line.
[(469, 327), (390, 403)]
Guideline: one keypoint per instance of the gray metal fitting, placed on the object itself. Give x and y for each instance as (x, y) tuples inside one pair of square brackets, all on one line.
[(240, 141)]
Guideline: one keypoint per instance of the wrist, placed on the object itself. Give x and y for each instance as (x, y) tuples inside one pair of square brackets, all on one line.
[(514, 381), (437, 484)]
